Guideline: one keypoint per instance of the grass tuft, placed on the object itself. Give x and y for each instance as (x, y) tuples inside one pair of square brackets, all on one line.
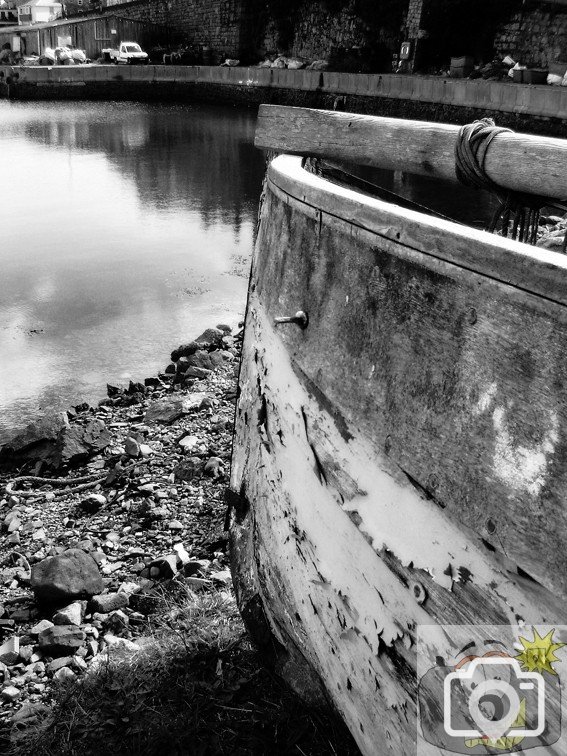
[(196, 686)]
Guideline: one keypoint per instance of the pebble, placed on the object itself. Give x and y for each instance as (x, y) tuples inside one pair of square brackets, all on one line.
[(26, 653), (64, 675), (69, 615), (131, 447), (14, 525), (56, 664), (10, 694), (10, 650), (108, 602), (92, 503)]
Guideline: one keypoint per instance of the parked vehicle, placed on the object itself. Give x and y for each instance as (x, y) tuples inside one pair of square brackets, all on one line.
[(128, 53)]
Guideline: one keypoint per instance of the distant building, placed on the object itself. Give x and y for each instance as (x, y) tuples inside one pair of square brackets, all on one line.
[(8, 12), (38, 11), (88, 33)]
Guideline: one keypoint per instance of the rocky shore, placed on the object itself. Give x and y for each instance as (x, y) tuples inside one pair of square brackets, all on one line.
[(101, 507), (551, 233)]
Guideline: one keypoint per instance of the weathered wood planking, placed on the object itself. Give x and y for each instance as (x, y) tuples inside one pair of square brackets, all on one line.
[(465, 377), (399, 461), (528, 268), (522, 162)]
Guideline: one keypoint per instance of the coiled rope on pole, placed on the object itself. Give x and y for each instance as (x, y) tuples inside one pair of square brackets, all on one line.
[(473, 142), (520, 208)]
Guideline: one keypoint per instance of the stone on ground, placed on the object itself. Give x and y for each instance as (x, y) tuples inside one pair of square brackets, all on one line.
[(10, 694), (70, 575), (164, 411), (210, 338), (92, 503), (64, 674), (69, 615), (77, 442), (61, 640), (10, 650), (44, 429), (40, 627), (131, 447), (108, 602)]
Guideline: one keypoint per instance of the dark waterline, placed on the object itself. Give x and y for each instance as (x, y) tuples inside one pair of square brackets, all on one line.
[(126, 229)]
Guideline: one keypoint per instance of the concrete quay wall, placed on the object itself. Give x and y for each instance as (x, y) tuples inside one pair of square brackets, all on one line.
[(534, 108)]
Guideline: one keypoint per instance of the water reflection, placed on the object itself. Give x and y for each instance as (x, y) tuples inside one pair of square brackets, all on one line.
[(202, 158), (125, 230)]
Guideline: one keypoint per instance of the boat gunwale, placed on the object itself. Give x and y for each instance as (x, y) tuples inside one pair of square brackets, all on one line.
[(529, 269)]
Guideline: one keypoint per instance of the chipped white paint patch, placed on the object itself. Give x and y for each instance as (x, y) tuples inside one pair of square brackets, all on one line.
[(522, 467)]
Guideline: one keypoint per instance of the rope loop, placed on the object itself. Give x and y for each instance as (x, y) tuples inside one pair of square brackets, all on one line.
[(518, 212), (473, 142)]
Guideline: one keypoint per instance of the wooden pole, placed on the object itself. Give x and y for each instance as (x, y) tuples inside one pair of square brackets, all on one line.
[(521, 162)]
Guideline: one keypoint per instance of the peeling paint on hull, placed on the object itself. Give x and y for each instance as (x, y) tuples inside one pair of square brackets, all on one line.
[(396, 462)]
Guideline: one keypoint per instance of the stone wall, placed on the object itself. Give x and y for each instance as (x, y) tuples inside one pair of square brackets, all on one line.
[(537, 36), (213, 24), (316, 31), (414, 18), (525, 108), (247, 29), (329, 30)]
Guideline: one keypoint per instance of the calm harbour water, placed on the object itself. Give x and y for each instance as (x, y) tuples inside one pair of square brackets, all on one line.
[(125, 229)]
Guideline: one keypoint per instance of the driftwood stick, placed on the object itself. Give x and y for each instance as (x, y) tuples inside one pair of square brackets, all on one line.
[(521, 162)]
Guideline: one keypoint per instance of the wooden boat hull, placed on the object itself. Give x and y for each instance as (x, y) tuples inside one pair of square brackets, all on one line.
[(401, 460)]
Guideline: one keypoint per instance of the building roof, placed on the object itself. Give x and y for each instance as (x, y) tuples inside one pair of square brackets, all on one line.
[(74, 20), (39, 3)]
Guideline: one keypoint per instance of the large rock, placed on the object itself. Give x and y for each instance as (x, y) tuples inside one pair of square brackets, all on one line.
[(196, 372), (185, 350), (200, 359), (61, 640), (68, 576), (57, 442), (164, 411), (211, 338), (77, 442), (42, 431)]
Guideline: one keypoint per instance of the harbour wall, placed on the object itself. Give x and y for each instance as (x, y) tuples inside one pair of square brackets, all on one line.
[(540, 109)]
